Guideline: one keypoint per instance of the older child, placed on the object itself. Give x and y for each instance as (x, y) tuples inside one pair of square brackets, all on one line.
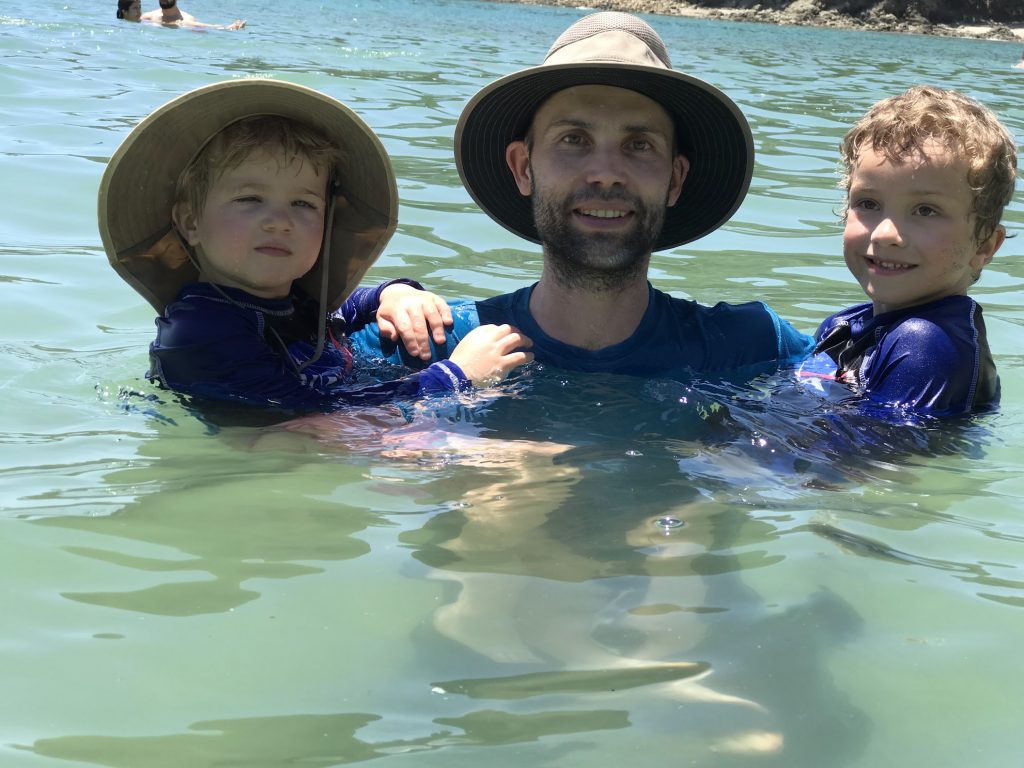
[(927, 175), (245, 212)]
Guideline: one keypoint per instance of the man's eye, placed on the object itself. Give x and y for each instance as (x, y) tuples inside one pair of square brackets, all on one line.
[(640, 145)]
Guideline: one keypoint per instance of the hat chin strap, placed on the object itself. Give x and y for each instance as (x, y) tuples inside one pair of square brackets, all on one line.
[(325, 264)]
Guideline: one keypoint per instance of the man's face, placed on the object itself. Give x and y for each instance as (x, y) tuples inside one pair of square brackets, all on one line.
[(601, 167)]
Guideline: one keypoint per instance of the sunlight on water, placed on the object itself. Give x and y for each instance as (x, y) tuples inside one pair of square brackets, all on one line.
[(568, 570)]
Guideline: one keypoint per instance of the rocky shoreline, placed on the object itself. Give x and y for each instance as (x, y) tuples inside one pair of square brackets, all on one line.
[(803, 13)]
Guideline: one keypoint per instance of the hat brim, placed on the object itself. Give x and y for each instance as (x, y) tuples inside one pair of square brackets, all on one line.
[(137, 189), (711, 131)]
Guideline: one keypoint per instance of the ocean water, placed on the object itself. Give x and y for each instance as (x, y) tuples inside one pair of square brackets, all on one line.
[(565, 571)]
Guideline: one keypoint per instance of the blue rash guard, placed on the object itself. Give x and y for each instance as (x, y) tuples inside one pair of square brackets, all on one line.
[(673, 336), (932, 359), (221, 343)]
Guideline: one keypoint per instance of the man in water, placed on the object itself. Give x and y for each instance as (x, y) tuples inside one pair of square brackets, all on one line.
[(170, 15), (602, 155)]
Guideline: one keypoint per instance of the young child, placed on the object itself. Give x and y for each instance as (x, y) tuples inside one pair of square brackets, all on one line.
[(927, 175), (246, 212)]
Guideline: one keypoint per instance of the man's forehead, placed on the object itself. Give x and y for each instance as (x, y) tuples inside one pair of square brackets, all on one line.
[(621, 105)]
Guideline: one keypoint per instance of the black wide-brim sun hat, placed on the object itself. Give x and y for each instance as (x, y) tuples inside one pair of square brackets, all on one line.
[(137, 189), (619, 50)]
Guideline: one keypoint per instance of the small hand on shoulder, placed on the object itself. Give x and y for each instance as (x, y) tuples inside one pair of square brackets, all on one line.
[(414, 317)]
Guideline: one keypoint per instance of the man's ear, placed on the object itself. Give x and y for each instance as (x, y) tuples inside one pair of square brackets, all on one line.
[(987, 249), (518, 158), (680, 167), (183, 219)]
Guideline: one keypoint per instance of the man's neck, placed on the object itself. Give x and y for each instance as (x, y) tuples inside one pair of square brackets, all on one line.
[(171, 14), (585, 318)]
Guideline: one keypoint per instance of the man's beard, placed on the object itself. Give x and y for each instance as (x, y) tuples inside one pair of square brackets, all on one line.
[(596, 261)]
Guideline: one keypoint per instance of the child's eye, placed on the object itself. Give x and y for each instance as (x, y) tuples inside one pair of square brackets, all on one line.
[(865, 204), (306, 204), (247, 199), (927, 211)]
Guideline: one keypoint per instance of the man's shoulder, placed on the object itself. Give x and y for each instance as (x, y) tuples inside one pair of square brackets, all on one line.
[(505, 307), (723, 311), (732, 334), (512, 298), (724, 318)]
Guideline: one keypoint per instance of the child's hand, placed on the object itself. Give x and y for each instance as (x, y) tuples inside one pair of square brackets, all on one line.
[(488, 353), (414, 317)]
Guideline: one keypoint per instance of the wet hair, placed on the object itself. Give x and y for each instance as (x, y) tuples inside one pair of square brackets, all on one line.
[(904, 125), (123, 6), (233, 145)]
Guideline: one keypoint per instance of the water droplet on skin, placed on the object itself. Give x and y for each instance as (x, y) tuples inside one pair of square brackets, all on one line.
[(669, 522)]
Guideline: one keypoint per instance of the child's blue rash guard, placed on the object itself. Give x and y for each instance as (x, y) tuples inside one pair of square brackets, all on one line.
[(932, 359), (222, 343), (674, 336)]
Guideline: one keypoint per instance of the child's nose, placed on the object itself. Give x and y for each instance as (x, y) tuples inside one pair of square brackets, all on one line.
[(887, 232), (278, 217)]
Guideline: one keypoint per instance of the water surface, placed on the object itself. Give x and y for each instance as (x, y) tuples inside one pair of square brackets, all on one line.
[(571, 571)]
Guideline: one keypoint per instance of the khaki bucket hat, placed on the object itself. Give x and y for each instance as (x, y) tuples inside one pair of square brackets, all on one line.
[(621, 50), (137, 189)]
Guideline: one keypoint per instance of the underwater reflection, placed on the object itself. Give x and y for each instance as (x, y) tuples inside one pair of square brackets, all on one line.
[(224, 519), (316, 740), (597, 542), (562, 577)]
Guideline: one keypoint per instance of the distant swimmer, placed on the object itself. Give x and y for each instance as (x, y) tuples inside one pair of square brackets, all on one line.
[(129, 10), (1020, 64), (170, 15)]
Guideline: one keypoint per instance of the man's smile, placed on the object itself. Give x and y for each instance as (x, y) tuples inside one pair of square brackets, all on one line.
[(603, 213)]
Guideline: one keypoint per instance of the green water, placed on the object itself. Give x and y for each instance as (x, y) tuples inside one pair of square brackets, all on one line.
[(417, 590)]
